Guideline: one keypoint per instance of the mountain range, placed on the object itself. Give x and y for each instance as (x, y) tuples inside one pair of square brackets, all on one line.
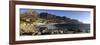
[(49, 18)]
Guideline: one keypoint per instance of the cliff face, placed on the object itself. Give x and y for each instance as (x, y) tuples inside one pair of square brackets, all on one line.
[(58, 19)]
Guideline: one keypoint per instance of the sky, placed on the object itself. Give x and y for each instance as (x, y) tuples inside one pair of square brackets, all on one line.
[(82, 16)]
